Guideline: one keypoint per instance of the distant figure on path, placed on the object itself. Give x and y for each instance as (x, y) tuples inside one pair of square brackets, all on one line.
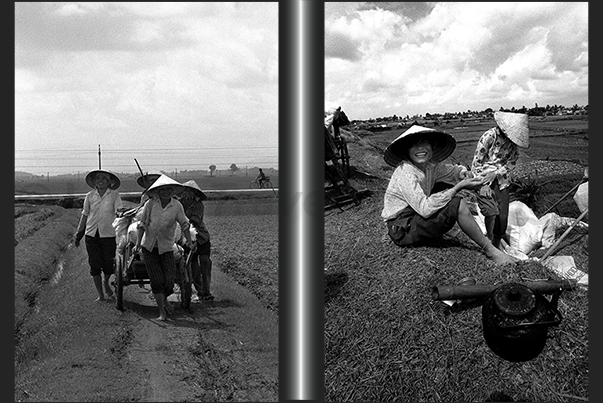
[(101, 205), (412, 213), (261, 178), (495, 158)]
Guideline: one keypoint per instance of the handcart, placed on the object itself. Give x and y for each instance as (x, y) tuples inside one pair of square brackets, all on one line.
[(130, 269)]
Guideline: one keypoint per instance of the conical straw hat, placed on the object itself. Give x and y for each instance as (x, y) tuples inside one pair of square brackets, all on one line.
[(515, 127), (443, 144), (193, 185), (114, 181), (148, 179), (164, 181)]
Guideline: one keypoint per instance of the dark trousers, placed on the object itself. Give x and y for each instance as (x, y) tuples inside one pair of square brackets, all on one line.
[(161, 269), (101, 254)]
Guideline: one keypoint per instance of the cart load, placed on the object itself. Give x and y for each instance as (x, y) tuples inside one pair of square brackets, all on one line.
[(130, 266)]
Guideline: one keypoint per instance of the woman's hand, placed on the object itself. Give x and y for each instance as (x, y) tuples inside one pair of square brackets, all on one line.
[(489, 177), (470, 183), (485, 191)]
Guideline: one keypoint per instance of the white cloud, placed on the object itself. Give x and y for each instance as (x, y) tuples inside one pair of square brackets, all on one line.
[(156, 74), (456, 55)]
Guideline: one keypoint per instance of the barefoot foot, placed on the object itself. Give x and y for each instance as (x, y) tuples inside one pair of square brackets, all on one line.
[(498, 256)]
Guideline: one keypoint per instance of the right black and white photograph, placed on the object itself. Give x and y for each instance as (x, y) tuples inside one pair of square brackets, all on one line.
[(456, 202)]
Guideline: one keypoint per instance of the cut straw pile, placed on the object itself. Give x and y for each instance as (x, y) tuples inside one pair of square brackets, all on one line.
[(386, 339)]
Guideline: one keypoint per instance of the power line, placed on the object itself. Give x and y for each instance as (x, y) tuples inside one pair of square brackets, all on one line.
[(115, 157), (151, 150)]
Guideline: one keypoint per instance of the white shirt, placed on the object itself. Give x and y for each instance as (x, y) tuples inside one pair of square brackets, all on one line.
[(101, 212), (159, 224)]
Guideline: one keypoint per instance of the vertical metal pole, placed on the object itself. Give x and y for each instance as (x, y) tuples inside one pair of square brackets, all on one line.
[(312, 245), (99, 157), (301, 201), (289, 332)]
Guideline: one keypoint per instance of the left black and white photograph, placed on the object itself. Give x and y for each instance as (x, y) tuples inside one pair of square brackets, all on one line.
[(146, 201)]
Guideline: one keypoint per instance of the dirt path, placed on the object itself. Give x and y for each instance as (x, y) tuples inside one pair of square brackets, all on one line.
[(233, 341), (75, 349)]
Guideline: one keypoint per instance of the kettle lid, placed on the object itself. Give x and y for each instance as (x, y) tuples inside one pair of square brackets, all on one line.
[(514, 299)]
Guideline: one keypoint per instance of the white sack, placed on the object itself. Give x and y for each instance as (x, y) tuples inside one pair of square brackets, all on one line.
[(523, 228), (549, 222), (581, 197), (565, 267), (133, 232)]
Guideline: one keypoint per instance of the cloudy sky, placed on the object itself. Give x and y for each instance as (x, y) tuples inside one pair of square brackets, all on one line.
[(175, 85), (402, 58)]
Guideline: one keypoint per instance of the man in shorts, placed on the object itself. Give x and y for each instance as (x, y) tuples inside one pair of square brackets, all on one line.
[(101, 205)]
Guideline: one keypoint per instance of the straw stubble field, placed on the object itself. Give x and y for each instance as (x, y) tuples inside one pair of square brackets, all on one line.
[(386, 339), (57, 331)]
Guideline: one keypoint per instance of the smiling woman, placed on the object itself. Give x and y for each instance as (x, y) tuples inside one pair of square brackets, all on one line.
[(412, 211)]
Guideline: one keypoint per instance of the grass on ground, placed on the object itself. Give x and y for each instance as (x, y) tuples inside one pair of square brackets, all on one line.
[(386, 339)]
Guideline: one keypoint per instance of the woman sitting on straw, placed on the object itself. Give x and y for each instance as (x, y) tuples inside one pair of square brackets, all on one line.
[(412, 213)]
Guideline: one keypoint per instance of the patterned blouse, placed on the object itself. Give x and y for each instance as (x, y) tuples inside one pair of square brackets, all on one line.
[(495, 153), (409, 186)]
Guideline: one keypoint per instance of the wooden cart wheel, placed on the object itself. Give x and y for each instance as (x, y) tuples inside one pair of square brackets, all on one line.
[(186, 281), (119, 274), (186, 294), (345, 156)]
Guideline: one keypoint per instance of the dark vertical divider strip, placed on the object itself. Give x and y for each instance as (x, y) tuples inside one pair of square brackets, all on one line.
[(289, 65), (301, 204), (313, 217)]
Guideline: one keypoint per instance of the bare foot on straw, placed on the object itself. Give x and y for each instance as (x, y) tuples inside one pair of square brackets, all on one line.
[(499, 257)]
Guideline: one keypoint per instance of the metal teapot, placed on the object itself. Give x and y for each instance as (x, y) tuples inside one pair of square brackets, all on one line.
[(515, 321)]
